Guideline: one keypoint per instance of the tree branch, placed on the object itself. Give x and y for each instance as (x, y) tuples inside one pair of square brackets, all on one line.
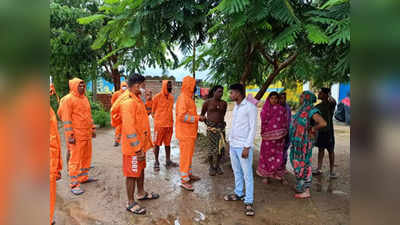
[(288, 61)]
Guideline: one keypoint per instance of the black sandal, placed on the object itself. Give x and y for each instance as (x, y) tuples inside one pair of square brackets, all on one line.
[(233, 197), (171, 164), (156, 166), (152, 197), (249, 209), (140, 211)]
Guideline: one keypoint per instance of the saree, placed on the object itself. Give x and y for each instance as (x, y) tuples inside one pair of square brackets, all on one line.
[(302, 142), (273, 132)]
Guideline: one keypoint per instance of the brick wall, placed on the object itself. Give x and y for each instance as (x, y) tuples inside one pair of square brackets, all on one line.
[(105, 100), (154, 85)]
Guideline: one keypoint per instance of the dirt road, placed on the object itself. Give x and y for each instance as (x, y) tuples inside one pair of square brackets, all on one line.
[(104, 201)]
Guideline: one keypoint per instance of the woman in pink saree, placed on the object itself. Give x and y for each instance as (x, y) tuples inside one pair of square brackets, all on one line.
[(273, 132)]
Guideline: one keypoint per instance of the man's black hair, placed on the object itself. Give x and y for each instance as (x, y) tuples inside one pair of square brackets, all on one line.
[(238, 87), (282, 93), (326, 90), (135, 79), (213, 90)]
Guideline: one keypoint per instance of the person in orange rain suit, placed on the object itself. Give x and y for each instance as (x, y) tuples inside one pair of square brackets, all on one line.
[(186, 130), (61, 106), (136, 141), (114, 98), (162, 107), (79, 129), (55, 160), (149, 101)]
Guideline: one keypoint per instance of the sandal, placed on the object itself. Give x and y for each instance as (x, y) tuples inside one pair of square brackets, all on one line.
[(233, 197), (220, 171), (90, 180), (139, 211), (77, 191), (156, 166), (302, 195), (187, 186), (212, 171), (170, 163), (194, 178), (150, 196), (249, 209), (317, 172)]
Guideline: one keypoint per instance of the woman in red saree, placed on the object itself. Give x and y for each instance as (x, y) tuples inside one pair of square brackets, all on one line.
[(273, 132)]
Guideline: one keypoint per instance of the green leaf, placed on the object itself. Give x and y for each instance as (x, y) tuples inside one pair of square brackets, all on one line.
[(315, 34), (333, 3), (286, 37), (90, 19), (110, 1)]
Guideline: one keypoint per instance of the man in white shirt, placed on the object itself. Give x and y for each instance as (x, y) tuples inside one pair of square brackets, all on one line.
[(241, 141)]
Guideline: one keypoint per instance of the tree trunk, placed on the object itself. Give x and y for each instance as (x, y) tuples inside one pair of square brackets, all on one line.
[(116, 78), (194, 60), (278, 67), (246, 72), (247, 67), (268, 82), (94, 90)]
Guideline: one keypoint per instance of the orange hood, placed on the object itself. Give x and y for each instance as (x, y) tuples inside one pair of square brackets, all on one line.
[(123, 84), (188, 85), (73, 86), (164, 89)]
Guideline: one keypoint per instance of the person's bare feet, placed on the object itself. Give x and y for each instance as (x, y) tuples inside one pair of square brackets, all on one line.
[(303, 195), (265, 181), (194, 178)]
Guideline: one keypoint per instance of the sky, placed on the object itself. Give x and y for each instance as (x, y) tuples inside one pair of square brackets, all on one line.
[(178, 73)]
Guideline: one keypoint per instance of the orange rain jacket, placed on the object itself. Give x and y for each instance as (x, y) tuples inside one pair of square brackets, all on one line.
[(76, 114), (115, 110), (163, 104), (186, 114), (136, 134), (119, 92), (55, 160)]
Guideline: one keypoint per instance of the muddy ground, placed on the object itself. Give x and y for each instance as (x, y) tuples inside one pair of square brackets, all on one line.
[(104, 202)]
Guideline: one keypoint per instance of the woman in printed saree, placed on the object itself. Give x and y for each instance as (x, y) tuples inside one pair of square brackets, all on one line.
[(302, 132), (274, 129)]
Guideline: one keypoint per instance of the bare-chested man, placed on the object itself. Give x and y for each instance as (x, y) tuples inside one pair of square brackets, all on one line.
[(215, 108)]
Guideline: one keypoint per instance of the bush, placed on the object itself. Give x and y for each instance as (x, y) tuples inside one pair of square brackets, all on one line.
[(101, 118)]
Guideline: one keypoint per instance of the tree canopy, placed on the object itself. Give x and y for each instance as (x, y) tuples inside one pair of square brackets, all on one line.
[(247, 41)]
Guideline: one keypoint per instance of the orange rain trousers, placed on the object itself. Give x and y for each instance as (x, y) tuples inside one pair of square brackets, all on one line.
[(186, 147), (80, 161), (117, 137)]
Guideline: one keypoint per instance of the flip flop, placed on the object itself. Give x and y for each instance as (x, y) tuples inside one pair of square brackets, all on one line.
[(140, 211), (77, 191), (171, 164), (317, 172), (146, 196), (299, 197), (249, 209), (90, 180), (53, 223), (233, 197), (187, 187), (156, 167), (194, 178)]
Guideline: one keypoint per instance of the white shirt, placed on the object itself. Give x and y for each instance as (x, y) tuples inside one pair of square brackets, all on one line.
[(243, 128)]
